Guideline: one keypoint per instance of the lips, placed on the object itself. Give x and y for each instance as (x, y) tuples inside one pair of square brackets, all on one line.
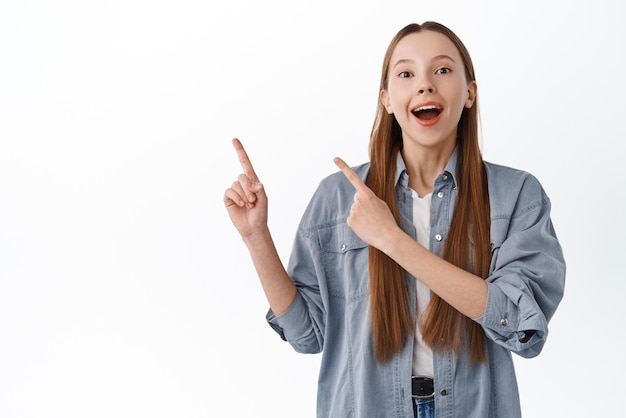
[(427, 114)]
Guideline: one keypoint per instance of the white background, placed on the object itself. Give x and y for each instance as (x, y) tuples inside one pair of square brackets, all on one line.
[(124, 289)]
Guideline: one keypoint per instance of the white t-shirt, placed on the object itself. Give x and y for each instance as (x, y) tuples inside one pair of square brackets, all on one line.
[(422, 353)]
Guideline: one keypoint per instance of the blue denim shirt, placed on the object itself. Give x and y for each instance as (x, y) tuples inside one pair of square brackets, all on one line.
[(331, 312)]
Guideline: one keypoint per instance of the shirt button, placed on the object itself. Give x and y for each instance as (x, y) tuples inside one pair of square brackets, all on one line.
[(504, 322), (438, 237), (444, 392), (344, 247), (445, 177), (440, 195)]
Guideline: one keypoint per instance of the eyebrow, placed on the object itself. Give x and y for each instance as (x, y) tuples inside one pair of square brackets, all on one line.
[(437, 58)]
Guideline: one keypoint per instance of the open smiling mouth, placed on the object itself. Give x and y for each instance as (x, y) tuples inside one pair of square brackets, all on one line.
[(427, 113)]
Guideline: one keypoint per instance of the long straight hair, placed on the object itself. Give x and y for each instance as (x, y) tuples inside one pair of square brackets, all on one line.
[(467, 244)]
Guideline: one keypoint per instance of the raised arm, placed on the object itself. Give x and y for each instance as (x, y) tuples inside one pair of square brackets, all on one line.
[(246, 203), (371, 219)]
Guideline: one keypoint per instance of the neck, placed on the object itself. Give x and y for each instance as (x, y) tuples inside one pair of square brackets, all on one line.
[(424, 165)]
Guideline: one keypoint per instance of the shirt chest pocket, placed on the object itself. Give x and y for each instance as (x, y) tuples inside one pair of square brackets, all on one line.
[(345, 262)]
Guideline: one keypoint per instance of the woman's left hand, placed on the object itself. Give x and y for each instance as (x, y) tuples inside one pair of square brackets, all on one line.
[(370, 217)]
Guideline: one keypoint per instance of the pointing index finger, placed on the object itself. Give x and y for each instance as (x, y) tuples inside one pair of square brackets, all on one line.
[(350, 174), (244, 160)]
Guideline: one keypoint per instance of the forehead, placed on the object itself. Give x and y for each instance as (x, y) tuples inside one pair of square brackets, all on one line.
[(424, 46)]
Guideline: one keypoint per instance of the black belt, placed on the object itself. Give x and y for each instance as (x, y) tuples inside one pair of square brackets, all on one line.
[(423, 387)]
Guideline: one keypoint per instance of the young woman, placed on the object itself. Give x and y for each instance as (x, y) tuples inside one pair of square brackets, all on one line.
[(418, 273)]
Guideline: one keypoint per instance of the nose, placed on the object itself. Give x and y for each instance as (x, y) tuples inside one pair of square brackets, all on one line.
[(425, 85)]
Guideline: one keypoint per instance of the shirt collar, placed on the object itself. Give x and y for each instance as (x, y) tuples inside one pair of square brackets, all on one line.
[(450, 167)]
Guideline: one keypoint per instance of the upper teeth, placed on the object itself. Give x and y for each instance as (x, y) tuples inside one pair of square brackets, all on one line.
[(427, 107)]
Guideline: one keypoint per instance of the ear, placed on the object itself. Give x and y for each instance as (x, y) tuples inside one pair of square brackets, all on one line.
[(472, 90), (384, 99)]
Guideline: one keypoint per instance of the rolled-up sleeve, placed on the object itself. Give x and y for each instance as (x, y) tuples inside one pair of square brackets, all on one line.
[(527, 277), (296, 327), (302, 325)]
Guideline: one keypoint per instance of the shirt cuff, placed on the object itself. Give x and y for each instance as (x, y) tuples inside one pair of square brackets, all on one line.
[(293, 324), (514, 320)]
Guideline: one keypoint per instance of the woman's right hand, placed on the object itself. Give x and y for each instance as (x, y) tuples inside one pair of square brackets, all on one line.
[(246, 203), (245, 200)]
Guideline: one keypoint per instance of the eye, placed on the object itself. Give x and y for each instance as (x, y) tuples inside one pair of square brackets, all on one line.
[(405, 74), (443, 70)]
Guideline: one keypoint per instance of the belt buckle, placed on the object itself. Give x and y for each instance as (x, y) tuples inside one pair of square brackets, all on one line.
[(419, 383)]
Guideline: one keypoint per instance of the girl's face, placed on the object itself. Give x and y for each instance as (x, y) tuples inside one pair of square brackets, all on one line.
[(427, 90)]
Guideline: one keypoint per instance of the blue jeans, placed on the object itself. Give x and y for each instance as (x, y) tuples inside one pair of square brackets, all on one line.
[(424, 408)]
